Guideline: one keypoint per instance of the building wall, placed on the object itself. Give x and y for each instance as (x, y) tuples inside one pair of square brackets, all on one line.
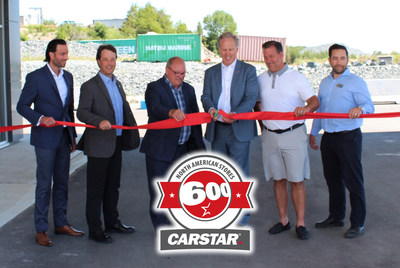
[(12, 55)]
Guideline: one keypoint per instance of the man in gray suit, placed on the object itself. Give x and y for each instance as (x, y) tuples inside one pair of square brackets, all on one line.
[(103, 103), (231, 86)]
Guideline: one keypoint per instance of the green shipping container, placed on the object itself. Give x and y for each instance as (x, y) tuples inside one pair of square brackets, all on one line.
[(123, 46), (161, 47)]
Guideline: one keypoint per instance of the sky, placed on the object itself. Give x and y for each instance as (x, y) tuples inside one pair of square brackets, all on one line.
[(367, 25)]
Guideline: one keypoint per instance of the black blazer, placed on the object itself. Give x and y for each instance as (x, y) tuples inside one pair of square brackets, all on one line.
[(95, 105), (162, 144)]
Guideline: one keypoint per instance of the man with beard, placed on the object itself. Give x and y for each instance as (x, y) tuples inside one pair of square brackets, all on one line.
[(50, 89), (341, 144)]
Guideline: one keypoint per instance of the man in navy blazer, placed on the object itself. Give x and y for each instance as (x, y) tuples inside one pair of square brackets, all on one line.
[(50, 89), (233, 87), (169, 97)]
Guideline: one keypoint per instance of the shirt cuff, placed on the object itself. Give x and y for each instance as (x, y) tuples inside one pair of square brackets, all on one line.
[(38, 122)]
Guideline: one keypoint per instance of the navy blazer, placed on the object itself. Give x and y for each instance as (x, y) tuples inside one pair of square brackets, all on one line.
[(244, 95), (41, 90), (162, 144)]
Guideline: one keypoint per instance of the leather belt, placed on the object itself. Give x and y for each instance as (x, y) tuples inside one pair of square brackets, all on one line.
[(280, 131), (341, 132), (222, 123)]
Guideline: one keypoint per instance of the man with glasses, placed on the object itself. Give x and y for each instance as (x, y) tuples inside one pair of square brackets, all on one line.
[(168, 97)]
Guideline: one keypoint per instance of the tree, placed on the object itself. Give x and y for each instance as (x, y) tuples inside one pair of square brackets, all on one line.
[(147, 19), (99, 31), (129, 25), (216, 24), (199, 29), (181, 27), (68, 31)]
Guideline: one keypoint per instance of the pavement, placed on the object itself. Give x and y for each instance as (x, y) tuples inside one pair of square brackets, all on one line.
[(376, 248)]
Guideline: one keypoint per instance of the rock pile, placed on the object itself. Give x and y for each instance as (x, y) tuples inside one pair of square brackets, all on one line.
[(136, 75)]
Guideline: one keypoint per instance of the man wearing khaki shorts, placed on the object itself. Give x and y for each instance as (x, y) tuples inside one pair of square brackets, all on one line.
[(284, 143)]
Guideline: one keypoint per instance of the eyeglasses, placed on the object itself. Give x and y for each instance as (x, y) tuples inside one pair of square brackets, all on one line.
[(176, 73)]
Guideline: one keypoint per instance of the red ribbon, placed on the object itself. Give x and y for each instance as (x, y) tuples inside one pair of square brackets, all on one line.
[(201, 118)]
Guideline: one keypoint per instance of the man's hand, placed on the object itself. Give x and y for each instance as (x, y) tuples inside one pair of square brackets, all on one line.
[(355, 112), (73, 145), (313, 142), (212, 113), (228, 120), (177, 114), (105, 125), (47, 121), (301, 111)]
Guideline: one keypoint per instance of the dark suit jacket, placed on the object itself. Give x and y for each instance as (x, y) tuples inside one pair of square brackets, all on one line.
[(162, 144), (244, 94), (41, 89), (95, 105)]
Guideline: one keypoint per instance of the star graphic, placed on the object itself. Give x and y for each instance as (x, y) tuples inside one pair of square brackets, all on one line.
[(238, 195), (171, 195)]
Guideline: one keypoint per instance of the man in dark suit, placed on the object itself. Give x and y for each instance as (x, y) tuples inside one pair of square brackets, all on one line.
[(233, 87), (50, 89), (169, 97), (102, 104)]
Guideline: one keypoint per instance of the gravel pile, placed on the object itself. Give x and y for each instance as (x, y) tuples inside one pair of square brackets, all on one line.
[(136, 75)]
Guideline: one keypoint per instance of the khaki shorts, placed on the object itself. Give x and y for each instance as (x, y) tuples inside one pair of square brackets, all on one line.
[(285, 155)]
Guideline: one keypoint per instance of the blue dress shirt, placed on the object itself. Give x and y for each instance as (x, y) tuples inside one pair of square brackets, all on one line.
[(116, 99), (339, 96)]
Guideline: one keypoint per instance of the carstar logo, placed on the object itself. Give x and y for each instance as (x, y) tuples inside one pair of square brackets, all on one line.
[(204, 194)]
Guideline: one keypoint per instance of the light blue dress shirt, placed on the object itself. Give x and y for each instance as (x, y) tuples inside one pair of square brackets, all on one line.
[(339, 96), (116, 99)]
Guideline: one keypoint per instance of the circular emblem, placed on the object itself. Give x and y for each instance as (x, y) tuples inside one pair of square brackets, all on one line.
[(204, 192)]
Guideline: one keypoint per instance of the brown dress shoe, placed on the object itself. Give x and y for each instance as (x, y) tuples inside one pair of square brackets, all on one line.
[(43, 239), (68, 230)]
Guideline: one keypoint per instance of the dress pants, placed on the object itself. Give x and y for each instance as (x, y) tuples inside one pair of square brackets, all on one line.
[(226, 143), (341, 159), (103, 181), (158, 169), (52, 164)]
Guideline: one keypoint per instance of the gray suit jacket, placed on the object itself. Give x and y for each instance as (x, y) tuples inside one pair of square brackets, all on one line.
[(95, 105), (244, 95)]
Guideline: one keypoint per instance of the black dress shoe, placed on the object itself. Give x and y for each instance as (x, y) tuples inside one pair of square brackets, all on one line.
[(279, 228), (354, 232), (100, 237), (120, 228), (329, 222), (302, 232)]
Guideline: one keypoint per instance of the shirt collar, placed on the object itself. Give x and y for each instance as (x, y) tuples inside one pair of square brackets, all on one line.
[(107, 79), (280, 72), (232, 65), (54, 74)]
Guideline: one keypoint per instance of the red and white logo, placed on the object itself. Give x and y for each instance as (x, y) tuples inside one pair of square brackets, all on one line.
[(204, 193)]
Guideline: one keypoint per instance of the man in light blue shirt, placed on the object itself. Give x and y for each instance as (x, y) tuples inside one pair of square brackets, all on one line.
[(341, 144), (103, 103)]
